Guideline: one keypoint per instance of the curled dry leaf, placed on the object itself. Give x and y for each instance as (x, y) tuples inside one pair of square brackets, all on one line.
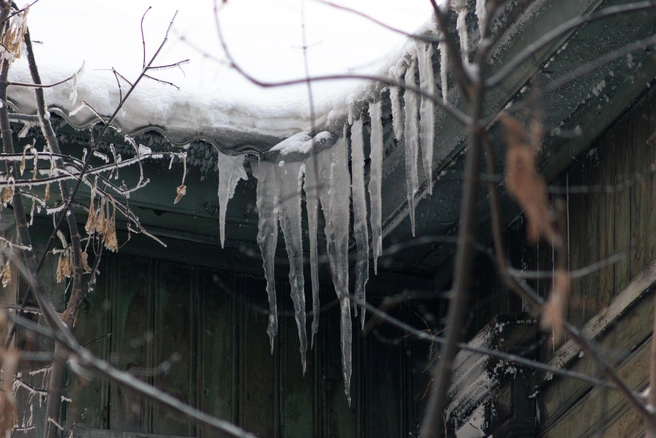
[(554, 311), (21, 168), (182, 190), (101, 221), (524, 183), (14, 36), (46, 196), (109, 234), (64, 267), (5, 274), (7, 195), (90, 226), (84, 258)]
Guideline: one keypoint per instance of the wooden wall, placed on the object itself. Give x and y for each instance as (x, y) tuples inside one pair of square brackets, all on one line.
[(611, 210), (145, 312)]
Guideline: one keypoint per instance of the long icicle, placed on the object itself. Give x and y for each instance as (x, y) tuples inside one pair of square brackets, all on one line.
[(336, 212), (267, 234), (481, 14), (231, 170), (312, 187), (359, 216), (461, 27), (290, 177), (427, 111), (396, 73), (375, 180), (411, 140), (444, 70)]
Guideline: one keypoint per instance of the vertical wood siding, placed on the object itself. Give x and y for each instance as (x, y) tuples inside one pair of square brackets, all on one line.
[(210, 328), (618, 215)]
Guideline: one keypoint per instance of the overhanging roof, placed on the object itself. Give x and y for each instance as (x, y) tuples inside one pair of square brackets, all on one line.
[(574, 114)]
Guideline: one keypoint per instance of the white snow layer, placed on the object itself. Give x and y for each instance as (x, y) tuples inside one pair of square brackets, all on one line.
[(213, 98)]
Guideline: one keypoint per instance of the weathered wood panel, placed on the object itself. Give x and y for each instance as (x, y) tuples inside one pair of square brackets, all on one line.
[(174, 294), (257, 370), (216, 366), (625, 213), (94, 332), (131, 340), (213, 324)]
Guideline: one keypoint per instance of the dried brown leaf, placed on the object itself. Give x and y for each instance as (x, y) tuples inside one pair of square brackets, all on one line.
[(554, 311), (64, 267), (46, 196), (7, 194), (524, 183), (84, 258), (90, 226), (14, 36), (5, 274), (101, 221), (21, 167), (109, 235), (182, 190)]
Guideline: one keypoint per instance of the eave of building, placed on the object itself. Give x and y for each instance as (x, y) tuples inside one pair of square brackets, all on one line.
[(574, 109)]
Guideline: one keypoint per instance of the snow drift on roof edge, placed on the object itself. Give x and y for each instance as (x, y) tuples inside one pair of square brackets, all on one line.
[(184, 116)]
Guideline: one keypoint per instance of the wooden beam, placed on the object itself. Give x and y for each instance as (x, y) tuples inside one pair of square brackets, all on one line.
[(604, 319)]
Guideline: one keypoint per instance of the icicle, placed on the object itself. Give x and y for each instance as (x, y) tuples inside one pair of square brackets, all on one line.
[(290, 177), (411, 142), (481, 14), (335, 204), (444, 69), (375, 179), (359, 216), (267, 234), (427, 111), (395, 98), (314, 169), (231, 170), (461, 27)]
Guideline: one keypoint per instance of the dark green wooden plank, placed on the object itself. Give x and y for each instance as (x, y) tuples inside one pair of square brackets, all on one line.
[(607, 221), (258, 370), (641, 211), (216, 359), (297, 391), (90, 399), (620, 135), (339, 420), (382, 410), (174, 295), (132, 338)]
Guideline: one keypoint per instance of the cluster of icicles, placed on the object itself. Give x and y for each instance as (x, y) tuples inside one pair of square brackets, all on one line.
[(325, 180)]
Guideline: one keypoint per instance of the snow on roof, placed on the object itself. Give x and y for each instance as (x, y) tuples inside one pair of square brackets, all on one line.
[(213, 101)]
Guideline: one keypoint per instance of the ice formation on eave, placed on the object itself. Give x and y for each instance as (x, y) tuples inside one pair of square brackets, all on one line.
[(305, 164), (302, 164)]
